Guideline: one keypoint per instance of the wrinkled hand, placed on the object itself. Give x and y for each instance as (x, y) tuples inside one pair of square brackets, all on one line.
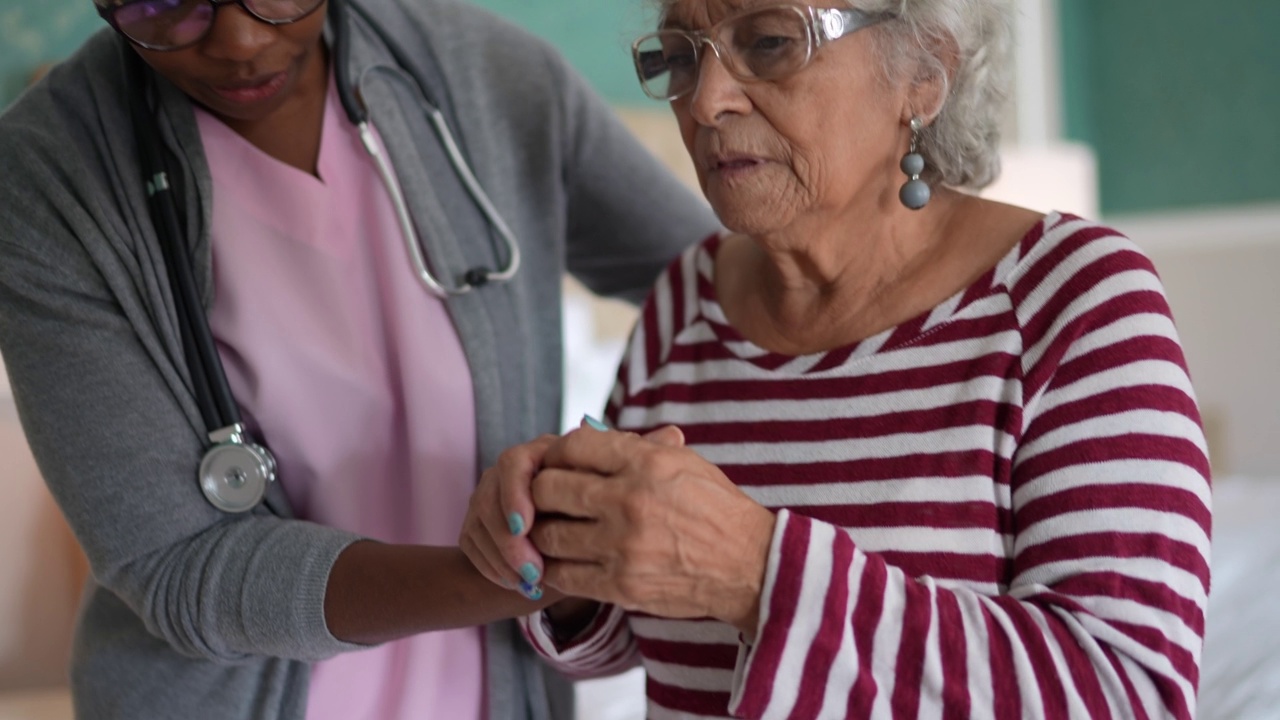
[(650, 527), (495, 531)]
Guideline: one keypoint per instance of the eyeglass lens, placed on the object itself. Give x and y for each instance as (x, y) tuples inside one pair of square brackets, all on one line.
[(164, 24), (766, 45)]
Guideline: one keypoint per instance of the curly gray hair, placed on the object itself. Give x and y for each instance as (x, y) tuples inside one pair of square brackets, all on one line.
[(961, 145)]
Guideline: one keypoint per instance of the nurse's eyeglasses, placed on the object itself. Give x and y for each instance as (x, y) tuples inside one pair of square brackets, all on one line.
[(176, 24), (767, 43)]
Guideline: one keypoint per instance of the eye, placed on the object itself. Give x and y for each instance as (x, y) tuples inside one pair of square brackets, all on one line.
[(770, 43), (678, 52), (769, 31), (682, 60)]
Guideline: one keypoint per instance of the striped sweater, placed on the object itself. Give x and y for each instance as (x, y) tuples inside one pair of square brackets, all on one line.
[(999, 509)]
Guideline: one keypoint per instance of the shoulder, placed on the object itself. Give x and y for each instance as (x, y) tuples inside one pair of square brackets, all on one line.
[(68, 101), (500, 79), (1061, 246), (1068, 261), (675, 301), (688, 278), (1082, 289), (58, 139), (471, 42)]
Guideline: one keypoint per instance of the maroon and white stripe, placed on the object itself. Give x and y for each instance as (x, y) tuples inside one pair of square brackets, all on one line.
[(998, 508)]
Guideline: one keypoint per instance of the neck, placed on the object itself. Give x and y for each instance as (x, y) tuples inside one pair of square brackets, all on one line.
[(825, 283), (292, 132)]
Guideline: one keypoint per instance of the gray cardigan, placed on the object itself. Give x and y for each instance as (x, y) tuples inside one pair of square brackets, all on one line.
[(196, 614)]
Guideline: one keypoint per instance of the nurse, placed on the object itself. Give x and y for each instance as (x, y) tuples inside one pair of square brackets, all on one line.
[(381, 382)]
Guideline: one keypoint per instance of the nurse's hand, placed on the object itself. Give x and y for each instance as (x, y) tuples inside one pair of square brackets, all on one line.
[(495, 532), (650, 528)]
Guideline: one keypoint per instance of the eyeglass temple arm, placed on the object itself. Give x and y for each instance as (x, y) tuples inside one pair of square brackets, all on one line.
[(835, 23)]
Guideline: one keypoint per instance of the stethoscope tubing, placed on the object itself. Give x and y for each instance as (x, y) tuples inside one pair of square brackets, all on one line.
[(409, 233), (358, 114), (213, 393)]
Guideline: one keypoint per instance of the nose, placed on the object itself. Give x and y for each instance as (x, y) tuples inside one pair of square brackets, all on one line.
[(717, 93), (236, 35)]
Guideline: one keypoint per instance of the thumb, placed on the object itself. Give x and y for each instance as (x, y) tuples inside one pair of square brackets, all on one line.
[(668, 435)]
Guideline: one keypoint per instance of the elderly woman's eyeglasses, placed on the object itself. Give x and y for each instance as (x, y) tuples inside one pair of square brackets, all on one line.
[(762, 44), (176, 24)]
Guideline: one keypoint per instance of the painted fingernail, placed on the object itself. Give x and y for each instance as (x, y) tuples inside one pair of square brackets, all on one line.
[(533, 592), (594, 423), (530, 573), (515, 521)]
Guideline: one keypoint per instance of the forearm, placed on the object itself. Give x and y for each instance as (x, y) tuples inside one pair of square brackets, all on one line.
[(1070, 635), (378, 592)]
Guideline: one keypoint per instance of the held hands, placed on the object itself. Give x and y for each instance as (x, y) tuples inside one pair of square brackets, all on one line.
[(641, 522)]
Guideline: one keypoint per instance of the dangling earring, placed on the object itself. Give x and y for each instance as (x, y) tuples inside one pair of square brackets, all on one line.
[(915, 193)]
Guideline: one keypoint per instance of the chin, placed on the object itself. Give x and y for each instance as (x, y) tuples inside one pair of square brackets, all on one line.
[(749, 216), (751, 224)]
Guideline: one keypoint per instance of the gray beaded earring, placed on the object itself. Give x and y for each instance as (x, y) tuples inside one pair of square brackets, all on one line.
[(915, 193)]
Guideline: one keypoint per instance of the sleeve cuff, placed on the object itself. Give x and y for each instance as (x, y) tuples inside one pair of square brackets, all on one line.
[(603, 647), (759, 668)]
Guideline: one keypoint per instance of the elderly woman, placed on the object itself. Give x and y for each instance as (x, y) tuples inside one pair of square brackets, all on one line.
[(941, 456)]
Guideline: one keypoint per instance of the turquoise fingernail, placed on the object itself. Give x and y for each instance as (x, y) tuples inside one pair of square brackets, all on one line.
[(530, 573), (515, 521), (595, 423), (533, 592)]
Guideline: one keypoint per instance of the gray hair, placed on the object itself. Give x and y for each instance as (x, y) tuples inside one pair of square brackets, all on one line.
[(961, 145)]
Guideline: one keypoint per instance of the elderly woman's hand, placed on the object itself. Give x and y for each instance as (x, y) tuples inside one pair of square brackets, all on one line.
[(650, 527), (495, 531)]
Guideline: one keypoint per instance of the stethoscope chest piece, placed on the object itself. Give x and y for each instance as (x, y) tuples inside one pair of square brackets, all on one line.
[(234, 472)]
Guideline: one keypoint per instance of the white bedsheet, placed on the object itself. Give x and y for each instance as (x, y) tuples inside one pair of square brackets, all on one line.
[(1240, 669)]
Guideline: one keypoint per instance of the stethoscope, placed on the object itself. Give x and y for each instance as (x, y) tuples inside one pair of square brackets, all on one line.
[(235, 470)]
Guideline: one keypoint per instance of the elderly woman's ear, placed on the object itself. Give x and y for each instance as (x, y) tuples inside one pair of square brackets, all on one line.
[(932, 79)]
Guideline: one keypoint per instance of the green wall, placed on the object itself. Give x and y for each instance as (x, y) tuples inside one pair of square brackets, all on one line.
[(595, 35), (1180, 99), (39, 31)]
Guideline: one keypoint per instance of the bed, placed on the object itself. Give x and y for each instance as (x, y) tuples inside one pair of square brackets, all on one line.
[(1240, 669)]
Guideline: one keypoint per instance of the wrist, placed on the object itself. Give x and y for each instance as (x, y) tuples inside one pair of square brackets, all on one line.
[(569, 617), (744, 612)]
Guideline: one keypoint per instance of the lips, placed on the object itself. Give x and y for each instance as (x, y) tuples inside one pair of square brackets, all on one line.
[(734, 163), (255, 90), (731, 162)]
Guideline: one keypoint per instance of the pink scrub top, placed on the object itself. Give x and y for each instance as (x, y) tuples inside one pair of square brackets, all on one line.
[(355, 377)]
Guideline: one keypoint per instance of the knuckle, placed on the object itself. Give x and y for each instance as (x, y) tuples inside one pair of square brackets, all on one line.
[(506, 458), (545, 538), (504, 544), (630, 590), (631, 548), (637, 506), (655, 463)]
